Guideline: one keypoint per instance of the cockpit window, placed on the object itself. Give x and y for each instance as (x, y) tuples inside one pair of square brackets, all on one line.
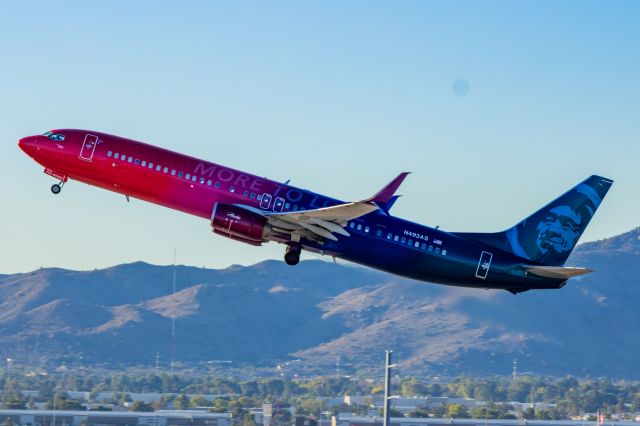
[(57, 137)]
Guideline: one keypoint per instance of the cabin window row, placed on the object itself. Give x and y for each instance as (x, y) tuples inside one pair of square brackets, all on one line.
[(402, 240), (189, 177), (173, 172)]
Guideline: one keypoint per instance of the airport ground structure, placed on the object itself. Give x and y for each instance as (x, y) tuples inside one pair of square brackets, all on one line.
[(113, 418), (203, 418), (408, 421)]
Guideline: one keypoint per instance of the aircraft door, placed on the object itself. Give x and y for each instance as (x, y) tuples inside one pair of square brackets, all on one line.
[(278, 205), (88, 147), (265, 202), (483, 265)]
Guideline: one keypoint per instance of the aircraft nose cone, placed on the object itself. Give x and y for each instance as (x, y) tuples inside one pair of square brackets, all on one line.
[(28, 144)]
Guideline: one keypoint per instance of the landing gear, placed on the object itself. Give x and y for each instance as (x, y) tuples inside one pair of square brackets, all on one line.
[(292, 256), (57, 187)]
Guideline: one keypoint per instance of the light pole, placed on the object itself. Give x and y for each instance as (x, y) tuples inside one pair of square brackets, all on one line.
[(55, 392), (387, 385)]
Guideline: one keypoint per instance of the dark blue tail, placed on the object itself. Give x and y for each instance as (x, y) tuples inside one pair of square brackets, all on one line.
[(548, 236)]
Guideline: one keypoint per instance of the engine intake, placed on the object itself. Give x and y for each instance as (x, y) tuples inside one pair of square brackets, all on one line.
[(239, 224)]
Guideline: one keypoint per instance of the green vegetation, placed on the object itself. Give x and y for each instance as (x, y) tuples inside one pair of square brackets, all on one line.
[(566, 396)]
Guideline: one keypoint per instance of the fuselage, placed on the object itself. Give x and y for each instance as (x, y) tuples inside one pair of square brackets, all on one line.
[(194, 186)]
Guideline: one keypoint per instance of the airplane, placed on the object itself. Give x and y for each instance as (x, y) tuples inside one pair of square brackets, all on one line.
[(255, 210)]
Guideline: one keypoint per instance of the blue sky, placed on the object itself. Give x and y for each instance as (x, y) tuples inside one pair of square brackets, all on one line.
[(337, 96)]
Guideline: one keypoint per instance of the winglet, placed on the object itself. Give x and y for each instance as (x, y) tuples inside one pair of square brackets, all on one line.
[(386, 194)]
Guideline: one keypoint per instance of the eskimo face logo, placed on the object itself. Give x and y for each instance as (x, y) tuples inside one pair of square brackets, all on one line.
[(550, 234), (559, 230)]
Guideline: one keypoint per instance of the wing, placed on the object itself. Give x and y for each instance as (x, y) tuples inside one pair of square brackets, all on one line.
[(324, 223)]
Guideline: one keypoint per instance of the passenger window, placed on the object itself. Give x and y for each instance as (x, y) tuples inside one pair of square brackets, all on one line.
[(396, 238), (378, 233), (231, 189), (246, 193), (201, 180), (109, 154), (253, 195), (217, 185), (410, 242), (188, 176), (286, 206), (352, 225), (437, 250), (444, 252), (137, 162), (194, 178), (417, 244), (403, 240), (180, 174), (130, 160), (151, 165), (430, 248), (295, 208), (165, 170), (389, 236), (423, 246), (366, 229), (144, 164), (116, 155), (173, 172), (209, 182), (158, 167), (359, 227)]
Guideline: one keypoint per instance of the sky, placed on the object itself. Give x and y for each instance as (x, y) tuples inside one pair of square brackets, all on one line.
[(496, 107)]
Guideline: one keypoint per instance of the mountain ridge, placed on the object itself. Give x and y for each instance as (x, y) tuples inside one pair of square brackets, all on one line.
[(270, 313)]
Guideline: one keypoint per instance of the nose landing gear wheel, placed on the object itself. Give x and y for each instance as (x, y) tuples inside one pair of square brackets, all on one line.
[(292, 256), (55, 188)]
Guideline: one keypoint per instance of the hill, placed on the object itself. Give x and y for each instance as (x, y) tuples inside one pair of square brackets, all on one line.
[(269, 313)]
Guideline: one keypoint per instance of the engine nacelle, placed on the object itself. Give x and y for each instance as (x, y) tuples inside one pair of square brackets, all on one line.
[(239, 224)]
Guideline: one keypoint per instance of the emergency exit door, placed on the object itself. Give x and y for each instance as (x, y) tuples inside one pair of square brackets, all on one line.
[(88, 147)]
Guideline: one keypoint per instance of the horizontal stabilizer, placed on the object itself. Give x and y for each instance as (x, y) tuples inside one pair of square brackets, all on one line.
[(559, 272)]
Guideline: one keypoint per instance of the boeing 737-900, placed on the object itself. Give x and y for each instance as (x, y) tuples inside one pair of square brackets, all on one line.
[(256, 210)]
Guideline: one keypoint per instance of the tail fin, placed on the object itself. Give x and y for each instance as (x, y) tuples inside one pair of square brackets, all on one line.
[(548, 236)]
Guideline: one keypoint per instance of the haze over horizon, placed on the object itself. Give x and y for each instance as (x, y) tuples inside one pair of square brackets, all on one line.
[(496, 108)]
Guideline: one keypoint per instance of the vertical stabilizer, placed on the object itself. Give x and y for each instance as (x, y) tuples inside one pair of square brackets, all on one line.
[(548, 236)]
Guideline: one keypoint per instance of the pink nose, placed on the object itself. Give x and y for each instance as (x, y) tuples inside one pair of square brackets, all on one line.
[(28, 144)]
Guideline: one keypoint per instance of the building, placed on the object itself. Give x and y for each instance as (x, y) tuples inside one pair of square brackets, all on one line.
[(407, 421), (114, 418)]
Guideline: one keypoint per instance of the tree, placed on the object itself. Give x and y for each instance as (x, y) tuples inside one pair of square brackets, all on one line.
[(248, 420), (141, 406), (419, 412), (181, 402), (392, 412), (12, 397), (457, 411), (220, 405), (413, 387), (199, 401), (309, 405), (63, 402)]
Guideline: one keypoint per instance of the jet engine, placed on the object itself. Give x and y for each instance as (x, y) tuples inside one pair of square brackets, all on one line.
[(239, 224)]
